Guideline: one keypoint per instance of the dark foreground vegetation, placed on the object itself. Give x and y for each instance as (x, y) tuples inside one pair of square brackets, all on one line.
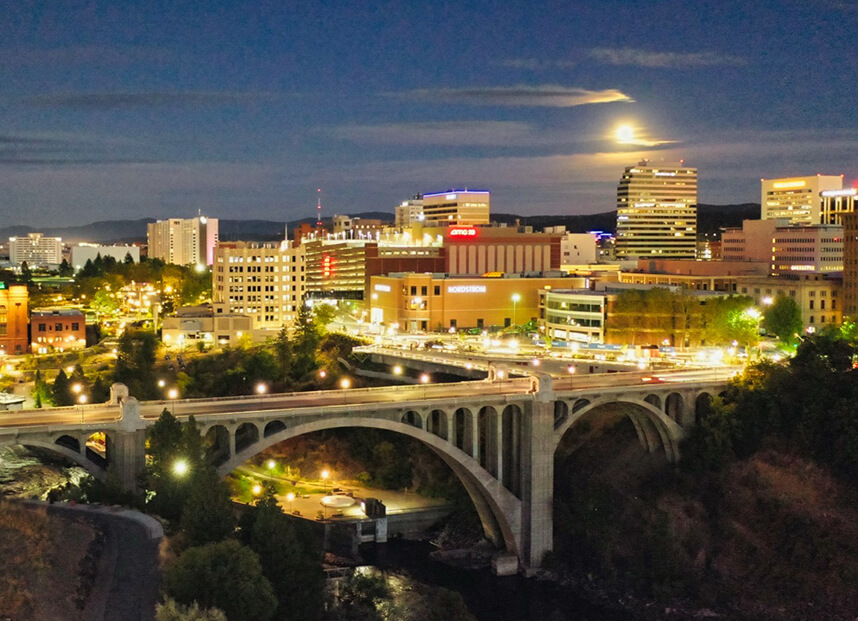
[(760, 518)]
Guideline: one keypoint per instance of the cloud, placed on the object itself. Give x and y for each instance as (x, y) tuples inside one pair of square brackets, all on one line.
[(450, 133), (661, 60), (549, 95), (109, 101), (59, 148)]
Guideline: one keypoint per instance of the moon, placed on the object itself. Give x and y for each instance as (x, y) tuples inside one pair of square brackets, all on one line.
[(625, 134)]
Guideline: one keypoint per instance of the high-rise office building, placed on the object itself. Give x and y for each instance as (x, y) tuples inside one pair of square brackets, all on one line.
[(264, 280), (657, 212), (798, 199), (183, 242), (409, 212), (36, 249)]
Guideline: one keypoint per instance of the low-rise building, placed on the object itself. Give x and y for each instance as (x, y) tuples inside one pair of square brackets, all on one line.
[(56, 330), (436, 302), (207, 324), (573, 315), (818, 296), (810, 248), (81, 253)]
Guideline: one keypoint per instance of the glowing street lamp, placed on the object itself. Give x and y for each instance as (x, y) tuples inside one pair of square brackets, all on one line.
[(172, 395), (424, 378), (397, 370), (180, 467), (257, 489), (325, 474), (290, 497), (345, 383), (82, 401), (271, 464), (261, 388), (515, 300)]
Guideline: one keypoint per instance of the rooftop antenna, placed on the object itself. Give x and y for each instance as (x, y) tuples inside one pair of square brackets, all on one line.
[(319, 207)]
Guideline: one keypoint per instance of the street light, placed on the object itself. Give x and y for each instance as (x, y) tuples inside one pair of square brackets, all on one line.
[(325, 474), (271, 464), (261, 388), (172, 395), (180, 467), (290, 497), (515, 299), (82, 400)]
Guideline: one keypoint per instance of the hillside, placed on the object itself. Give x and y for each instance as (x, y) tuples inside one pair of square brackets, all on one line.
[(709, 219)]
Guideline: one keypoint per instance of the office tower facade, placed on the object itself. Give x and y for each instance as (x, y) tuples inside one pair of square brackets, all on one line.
[(798, 199), (850, 265), (409, 212), (264, 280), (657, 212), (36, 249), (183, 242), (456, 207), (836, 204)]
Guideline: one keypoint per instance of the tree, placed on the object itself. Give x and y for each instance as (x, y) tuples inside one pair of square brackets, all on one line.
[(283, 353), (207, 514), (289, 559), (306, 344), (135, 364), (61, 393), (65, 269), (171, 610), (224, 575), (129, 260), (783, 319), (323, 314), (362, 595)]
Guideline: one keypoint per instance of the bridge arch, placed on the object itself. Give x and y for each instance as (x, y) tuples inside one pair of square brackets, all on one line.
[(498, 508), (76, 457), (654, 428)]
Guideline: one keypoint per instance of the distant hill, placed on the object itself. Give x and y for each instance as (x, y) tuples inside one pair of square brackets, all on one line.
[(709, 219)]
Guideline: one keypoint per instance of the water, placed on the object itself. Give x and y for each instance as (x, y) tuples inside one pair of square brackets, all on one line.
[(489, 597)]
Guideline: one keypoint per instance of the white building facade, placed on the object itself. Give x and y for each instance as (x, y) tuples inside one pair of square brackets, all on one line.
[(36, 250), (183, 242)]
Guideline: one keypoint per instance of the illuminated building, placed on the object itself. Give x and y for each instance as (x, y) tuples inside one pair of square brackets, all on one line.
[(14, 300), (657, 212), (818, 296), (183, 242), (409, 212), (475, 250), (456, 207), (36, 250), (836, 204), (61, 329), (349, 227), (210, 324), (850, 265), (796, 198), (82, 253), (810, 248), (264, 280), (572, 315), (412, 302)]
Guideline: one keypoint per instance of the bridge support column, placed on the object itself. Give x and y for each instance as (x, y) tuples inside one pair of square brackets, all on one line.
[(537, 482), (129, 445)]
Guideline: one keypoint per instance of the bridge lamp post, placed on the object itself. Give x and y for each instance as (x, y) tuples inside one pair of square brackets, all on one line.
[(290, 497), (82, 400), (325, 474), (172, 395), (515, 300), (261, 388)]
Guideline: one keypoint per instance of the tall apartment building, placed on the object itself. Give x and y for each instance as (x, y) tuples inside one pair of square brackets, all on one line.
[(798, 199), (14, 300), (836, 204), (36, 249), (657, 212), (183, 242), (850, 265), (456, 207), (264, 280)]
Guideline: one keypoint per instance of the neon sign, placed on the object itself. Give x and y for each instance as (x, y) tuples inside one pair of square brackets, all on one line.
[(467, 289), (462, 231)]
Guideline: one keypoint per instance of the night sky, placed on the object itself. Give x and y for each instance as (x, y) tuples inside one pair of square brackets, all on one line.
[(114, 110)]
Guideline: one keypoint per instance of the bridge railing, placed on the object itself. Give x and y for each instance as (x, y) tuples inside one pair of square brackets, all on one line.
[(72, 414), (332, 398)]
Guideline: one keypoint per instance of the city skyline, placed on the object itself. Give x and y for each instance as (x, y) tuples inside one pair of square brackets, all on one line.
[(117, 111)]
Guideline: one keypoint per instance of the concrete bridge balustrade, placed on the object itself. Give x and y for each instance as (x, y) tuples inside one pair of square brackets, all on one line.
[(499, 436)]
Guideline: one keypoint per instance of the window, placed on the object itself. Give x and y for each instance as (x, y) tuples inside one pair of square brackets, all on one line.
[(452, 323), (75, 327), (43, 327), (413, 290), (822, 305), (437, 289), (811, 306), (424, 290), (58, 327)]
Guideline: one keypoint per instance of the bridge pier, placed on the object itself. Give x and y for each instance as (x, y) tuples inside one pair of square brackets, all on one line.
[(537, 476), (128, 457)]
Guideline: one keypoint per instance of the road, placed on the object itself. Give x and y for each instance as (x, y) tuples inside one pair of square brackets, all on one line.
[(92, 415)]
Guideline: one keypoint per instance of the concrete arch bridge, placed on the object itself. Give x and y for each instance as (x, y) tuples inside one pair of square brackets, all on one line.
[(498, 435)]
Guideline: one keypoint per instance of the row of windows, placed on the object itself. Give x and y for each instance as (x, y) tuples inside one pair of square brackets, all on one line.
[(58, 327)]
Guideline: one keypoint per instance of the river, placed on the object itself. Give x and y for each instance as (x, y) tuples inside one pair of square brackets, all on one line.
[(489, 597)]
